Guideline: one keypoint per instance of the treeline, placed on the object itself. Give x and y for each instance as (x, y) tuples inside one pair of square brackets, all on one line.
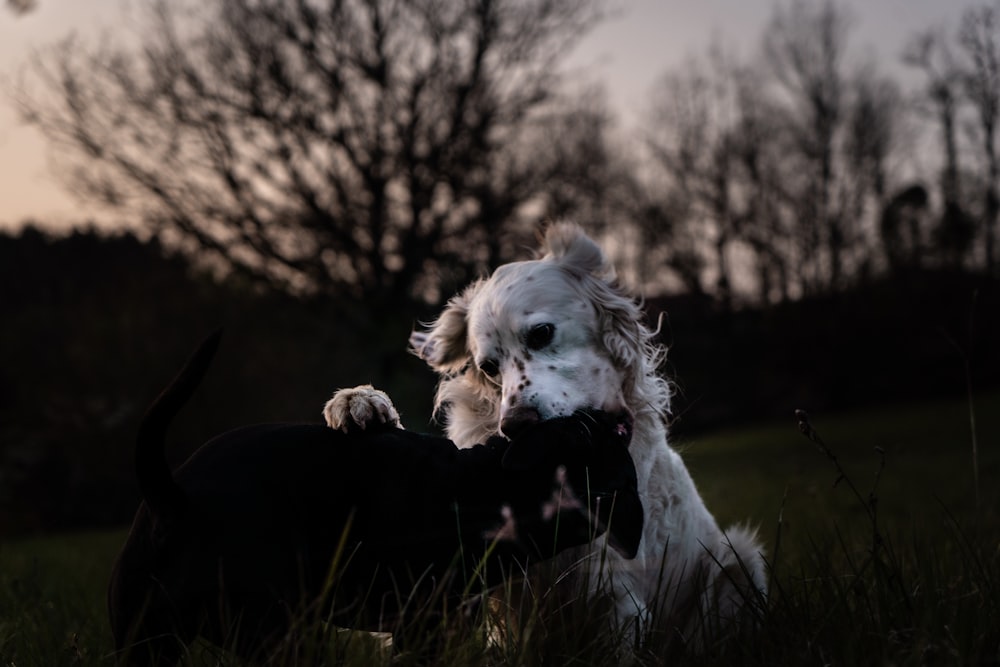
[(792, 170), (395, 150), (95, 326)]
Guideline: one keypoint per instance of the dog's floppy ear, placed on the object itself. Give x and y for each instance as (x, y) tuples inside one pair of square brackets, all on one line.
[(621, 324), (444, 346)]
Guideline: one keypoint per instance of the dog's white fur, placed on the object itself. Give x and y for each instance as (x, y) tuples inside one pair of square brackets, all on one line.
[(494, 352)]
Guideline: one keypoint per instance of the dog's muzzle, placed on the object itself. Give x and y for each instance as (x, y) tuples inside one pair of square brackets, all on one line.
[(518, 419)]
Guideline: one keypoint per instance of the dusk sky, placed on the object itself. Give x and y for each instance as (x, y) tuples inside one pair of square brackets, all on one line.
[(627, 53)]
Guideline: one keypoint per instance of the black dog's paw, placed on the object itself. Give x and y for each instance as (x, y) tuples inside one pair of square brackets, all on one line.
[(360, 407)]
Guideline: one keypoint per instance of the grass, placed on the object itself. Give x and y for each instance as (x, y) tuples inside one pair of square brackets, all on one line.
[(751, 472), (903, 572), (881, 552), (52, 609)]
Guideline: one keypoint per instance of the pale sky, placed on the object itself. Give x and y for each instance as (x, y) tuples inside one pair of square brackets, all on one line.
[(627, 54)]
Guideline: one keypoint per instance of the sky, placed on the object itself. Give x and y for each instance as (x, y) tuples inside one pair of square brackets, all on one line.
[(627, 53)]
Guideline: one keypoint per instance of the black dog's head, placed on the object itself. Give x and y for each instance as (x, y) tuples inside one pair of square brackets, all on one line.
[(585, 459)]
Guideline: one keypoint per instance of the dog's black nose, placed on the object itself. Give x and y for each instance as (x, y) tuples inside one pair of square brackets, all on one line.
[(517, 420)]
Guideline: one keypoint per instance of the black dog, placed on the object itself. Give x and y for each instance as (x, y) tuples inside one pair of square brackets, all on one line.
[(267, 521)]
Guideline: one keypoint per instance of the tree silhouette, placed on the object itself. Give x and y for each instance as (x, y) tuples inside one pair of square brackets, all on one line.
[(775, 169), (21, 7), (361, 147), (979, 39), (804, 47), (942, 99)]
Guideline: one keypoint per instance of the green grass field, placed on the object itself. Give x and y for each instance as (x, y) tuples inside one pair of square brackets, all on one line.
[(919, 585), (748, 473)]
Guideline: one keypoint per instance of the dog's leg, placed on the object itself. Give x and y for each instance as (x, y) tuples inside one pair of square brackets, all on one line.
[(360, 407)]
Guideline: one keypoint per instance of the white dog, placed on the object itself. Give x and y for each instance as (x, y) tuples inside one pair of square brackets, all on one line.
[(541, 338)]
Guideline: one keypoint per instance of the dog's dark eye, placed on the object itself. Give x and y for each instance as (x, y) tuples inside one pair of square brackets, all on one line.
[(540, 335), (489, 367)]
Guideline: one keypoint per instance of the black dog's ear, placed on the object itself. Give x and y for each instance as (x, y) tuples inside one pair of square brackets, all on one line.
[(625, 524)]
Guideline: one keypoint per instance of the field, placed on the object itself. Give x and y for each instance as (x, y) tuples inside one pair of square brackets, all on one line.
[(881, 551)]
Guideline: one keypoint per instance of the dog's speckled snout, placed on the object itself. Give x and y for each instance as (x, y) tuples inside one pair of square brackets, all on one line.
[(517, 419)]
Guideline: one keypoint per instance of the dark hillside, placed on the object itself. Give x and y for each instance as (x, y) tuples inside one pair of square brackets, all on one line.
[(893, 341)]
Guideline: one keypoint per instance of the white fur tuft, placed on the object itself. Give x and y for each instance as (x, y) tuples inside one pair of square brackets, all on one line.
[(567, 245)]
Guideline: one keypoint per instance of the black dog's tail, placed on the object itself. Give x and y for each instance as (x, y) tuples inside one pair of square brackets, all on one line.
[(156, 483)]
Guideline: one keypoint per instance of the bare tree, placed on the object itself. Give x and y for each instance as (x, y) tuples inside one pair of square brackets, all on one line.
[(347, 146), (689, 137), (930, 52), (765, 224), (665, 242), (901, 228), (781, 168), (590, 173), (714, 132), (874, 116), (804, 48), (980, 43), (21, 7)]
